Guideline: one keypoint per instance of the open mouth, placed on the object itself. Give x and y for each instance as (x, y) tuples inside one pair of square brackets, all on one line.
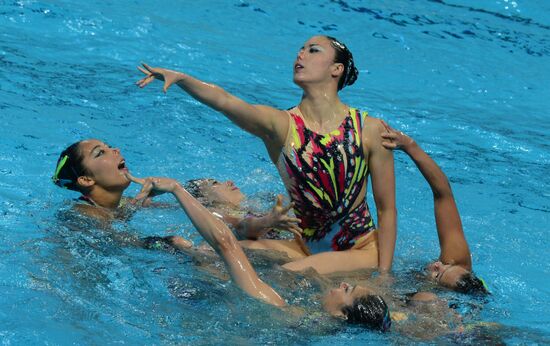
[(122, 165), (298, 67)]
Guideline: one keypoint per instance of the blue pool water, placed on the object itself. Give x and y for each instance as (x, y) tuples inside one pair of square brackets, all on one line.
[(469, 80)]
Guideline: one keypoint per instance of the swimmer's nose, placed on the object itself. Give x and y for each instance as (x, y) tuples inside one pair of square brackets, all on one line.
[(344, 285)]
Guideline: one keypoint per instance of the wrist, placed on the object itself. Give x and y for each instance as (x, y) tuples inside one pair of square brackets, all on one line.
[(410, 146), (180, 77), (177, 188)]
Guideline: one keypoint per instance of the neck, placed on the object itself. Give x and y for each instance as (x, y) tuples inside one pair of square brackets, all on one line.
[(321, 105), (106, 199)]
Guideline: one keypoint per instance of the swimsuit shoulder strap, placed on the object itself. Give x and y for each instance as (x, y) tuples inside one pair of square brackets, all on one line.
[(296, 129)]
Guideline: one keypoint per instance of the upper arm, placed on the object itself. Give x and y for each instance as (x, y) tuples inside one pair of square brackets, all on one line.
[(265, 122), (380, 162)]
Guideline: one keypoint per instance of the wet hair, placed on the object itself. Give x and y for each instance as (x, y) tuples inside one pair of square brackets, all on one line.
[(195, 189), (344, 56), (370, 311), (69, 167), (470, 284)]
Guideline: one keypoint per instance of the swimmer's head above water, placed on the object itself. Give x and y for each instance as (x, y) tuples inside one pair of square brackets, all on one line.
[(358, 305), (456, 278), (324, 58), (211, 192), (91, 164)]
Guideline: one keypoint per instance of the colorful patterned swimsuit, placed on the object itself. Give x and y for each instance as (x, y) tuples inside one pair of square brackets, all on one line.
[(324, 175)]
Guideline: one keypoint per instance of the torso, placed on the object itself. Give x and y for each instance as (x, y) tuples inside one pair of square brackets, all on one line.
[(326, 176)]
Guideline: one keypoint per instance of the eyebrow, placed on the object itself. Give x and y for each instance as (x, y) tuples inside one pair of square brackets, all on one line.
[(94, 148), (311, 45)]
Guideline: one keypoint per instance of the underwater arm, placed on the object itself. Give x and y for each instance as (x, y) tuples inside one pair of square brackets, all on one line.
[(380, 163), (454, 248), (219, 236), (261, 121)]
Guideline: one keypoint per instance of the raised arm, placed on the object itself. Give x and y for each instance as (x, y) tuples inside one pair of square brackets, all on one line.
[(380, 163), (453, 245), (268, 123), (218, 235)]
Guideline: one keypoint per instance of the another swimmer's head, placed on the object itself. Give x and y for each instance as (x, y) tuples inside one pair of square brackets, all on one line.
[(69, 167), (470, 284), (358, 305), (91, 164), (211, 192), (370, 311), (344, 57), (456, 278)]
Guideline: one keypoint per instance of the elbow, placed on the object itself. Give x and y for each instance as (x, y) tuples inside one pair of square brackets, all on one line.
[(443, 190), (226, 242)]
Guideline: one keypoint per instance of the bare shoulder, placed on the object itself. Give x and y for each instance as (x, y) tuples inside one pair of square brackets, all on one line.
[(372, 126), (263, 109), (371, 135), (278, 123), (91, 211)]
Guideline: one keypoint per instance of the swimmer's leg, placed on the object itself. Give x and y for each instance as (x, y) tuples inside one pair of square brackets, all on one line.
[(337, 261), (288, 246)]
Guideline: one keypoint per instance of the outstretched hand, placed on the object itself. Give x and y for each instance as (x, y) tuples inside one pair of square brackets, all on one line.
[(279, 218), (153, 186), (395, 139), (151, 73)]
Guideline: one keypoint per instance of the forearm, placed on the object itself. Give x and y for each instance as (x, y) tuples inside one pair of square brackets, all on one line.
[(387, 234), (208, 94), (212, 229), (429, 169)]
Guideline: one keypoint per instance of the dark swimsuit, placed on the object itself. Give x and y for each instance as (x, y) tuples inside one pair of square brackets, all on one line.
[(324, 175)]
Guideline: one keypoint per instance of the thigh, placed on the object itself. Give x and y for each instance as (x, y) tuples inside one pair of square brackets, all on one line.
[(337, 261)]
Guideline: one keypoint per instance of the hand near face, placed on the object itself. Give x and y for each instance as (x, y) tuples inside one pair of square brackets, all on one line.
[(151, 73), (153, 186)]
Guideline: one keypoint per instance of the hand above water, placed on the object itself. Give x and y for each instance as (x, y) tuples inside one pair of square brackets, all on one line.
[(395, 139), (279, 218), (153, 186), (151, 73)]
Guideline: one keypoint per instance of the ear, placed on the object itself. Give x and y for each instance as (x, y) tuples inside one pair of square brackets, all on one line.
[(85, 181), (337, 69)]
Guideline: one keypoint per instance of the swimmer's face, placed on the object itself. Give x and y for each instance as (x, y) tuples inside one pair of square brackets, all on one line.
[(106, 166), (445, 274), (222, 192), (344, 295), (315, 62)]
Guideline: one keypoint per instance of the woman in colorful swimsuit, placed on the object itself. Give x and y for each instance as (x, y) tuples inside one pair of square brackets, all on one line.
[(324, 151)]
